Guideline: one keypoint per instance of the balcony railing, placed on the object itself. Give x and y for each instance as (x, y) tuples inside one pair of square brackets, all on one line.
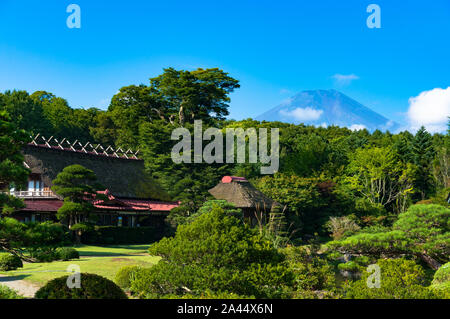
[(33, 194)]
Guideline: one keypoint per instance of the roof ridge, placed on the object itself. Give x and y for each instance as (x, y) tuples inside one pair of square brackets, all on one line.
[(88, 148)]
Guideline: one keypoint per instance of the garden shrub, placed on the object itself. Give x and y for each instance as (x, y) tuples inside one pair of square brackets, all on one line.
[(314, 277), (125, 276), (442, 275), (67, 253), (441, 281), (216, 252), (92, 287), (44, 254), (9, 262), (399, 279), (8, 293)]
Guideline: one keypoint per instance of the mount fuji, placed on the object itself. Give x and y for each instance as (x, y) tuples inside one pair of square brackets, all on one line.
[(325, 108)]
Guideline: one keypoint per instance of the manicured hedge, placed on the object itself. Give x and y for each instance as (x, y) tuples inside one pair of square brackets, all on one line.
[(92, 287), (9, 262), (67, 253), (114, 235)]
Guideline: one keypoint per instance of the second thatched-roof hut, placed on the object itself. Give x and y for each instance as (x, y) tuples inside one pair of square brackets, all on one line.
[(240, 192)]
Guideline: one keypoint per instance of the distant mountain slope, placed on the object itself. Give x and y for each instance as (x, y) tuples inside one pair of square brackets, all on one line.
[(328, 107)]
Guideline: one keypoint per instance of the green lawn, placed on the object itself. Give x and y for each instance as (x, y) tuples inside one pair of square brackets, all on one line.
[(40, 273), (101, 260), (114, 250)]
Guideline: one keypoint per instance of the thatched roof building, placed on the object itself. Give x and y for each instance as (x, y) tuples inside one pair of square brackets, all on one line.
[(124, 177), (131, 192), (241, 193)]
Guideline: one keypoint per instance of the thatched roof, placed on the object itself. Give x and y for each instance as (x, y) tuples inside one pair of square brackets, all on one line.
[(241, 193), (123, 177)]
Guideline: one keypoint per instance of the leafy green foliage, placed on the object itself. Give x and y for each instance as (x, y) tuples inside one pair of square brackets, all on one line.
[(74, 184), (400, 279), (378, 175), (12, 170), (442, 275), (313, 276), (422, 231), (35, 239), (7, 293), (9, 262), (180, 215), (310, 202), (125, 276), (216, 252), (441, 281), (92, 287), (67, 253), (423, 154)]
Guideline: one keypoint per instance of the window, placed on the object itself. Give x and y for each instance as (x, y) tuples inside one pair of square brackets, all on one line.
[(34, 184)]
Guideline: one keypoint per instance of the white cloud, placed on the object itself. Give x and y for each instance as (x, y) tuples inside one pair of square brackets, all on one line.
[(344, 79), (430, 109), (303, 114), (357, 127)]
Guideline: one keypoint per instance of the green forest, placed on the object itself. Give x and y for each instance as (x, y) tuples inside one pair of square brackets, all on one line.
[(348, 199)]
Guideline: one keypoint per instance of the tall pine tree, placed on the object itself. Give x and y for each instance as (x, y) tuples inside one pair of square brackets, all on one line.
[(423, 154)]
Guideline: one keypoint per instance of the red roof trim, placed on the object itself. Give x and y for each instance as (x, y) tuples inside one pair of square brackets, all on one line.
[(140, 205), (229, 179)]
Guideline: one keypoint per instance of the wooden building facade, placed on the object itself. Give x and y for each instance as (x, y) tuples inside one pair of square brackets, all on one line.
[(132, 198)]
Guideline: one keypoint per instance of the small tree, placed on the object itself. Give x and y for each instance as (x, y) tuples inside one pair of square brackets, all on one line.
[(74, 184), (377, 175), (423, 156), (422, 231)]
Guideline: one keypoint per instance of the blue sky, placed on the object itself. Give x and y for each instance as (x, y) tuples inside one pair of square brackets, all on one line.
[(275, 48)]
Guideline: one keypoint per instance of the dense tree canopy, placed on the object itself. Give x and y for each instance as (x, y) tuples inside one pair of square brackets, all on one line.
[(215, 252), (12, 170), (378, 194)]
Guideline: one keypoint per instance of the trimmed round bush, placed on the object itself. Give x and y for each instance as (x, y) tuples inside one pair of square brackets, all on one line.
[(67, 253), (44, 255), (9, 262), (442, 275), (92, 287), (441, 281), (125, 275)]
